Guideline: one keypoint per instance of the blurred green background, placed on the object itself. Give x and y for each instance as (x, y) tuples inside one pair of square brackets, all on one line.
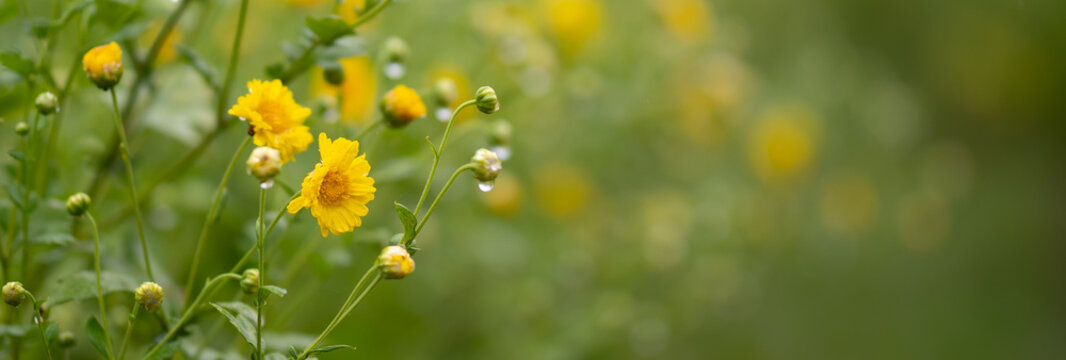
[(738, 179)]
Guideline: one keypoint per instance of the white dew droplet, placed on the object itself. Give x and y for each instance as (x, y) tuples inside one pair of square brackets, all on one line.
[(394, 70), (502, 152), (443, 113), (266, 184), (486, 186)]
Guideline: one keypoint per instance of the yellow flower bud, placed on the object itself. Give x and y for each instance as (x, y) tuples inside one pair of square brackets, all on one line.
[(395, 262), (78, 204), (149, 295), (47, 103), (401, 106), (14, 293), (104, 65), (264, 163), (250, 281), (486, 100)]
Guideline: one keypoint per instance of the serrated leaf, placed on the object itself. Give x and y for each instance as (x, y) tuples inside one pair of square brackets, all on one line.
[(276, 290), (409, 222), (328, 29), (328, 348), (53, 239), (51, 333), (23, 66), (202, 67), (96, 336), (82, 285), (241, 316)]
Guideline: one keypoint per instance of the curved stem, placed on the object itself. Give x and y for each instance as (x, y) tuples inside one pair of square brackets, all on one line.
[(129, 329), (100, 288), (188, 312), (437, 153), (212, 212), (39, 319), (353, 300), (440, 195), (124, 148)]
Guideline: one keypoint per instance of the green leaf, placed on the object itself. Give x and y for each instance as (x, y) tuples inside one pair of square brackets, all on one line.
[(23, 66), (409, 222), (166, 351), (198, 63), (280, 292), (54, 239), (274, 71), (82, 285), (345, 47), (328, 348), (14, 192), (241, 316), (15, 331), (17, 155), (96, 336), (112, 13), (129, 31), (329, 29), (51, 333), (292, 352)]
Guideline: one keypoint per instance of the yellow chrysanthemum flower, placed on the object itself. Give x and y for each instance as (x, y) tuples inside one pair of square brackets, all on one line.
[(275, 117), (401, 106), (574, 22), (688, 20), (338, 189), (104, 65), (782, 145)]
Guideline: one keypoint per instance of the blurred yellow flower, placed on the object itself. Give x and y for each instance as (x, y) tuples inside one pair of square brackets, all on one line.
[(574, 22), (103, 64), (688, 20), (562, 190), (401, 106), (506, 198), (848, 204), (782, 145), (357, 92), (167, 51), (339, 187), (346, 9), (462, 88), (275, 117)]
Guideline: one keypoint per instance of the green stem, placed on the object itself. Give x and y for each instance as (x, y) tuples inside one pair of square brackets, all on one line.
[(26, 161), (124, 148), (210, 217), (353, 300), (262, 274), (370, 127), (40, 323), (99, 287), (298, 66), (248, 255), (437, 153), (129, 329), (440, 195), (189, 312), (231, 70)]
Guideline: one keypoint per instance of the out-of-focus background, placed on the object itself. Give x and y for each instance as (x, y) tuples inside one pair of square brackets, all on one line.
[(738, 179)]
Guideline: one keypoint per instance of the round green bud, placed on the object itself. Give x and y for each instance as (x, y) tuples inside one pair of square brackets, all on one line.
[(65, 339), (264, 163), (21, 128), (78, 204), (149, 295), (488, 165), (47, 103), (396, 49), (445, 91), (250, 281), (14, 293), (486, 100), (333, 73)]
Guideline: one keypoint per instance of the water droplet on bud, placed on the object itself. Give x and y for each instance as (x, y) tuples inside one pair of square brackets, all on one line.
[(266, 184), (486, 186), (394, 70)]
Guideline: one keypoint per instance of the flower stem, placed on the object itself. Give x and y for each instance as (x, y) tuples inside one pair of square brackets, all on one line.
[(39, 319), (231, 70), (99, 287), (437, 153), (248, 255), (27, 159), (187, 315), (297, 67), (370, 127), (129, 329), (209, 218), (262, 274), (440, 195), (353, 300), (124, 148)]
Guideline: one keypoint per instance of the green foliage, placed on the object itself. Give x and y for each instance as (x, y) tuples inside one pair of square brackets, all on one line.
[(409, 222), (95, 331), (20, 65), (202, 67), (328, 29), (82, 285), (241, 316)]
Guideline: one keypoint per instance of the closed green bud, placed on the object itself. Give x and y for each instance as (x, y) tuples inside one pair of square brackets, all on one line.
[(333, 73), (21, 129), (445, 91), (78, 204), (250, 281), (47, 103), (149, 295), (65, 339), (488, 165), (486, 100), (14, 293), (396, 49)]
